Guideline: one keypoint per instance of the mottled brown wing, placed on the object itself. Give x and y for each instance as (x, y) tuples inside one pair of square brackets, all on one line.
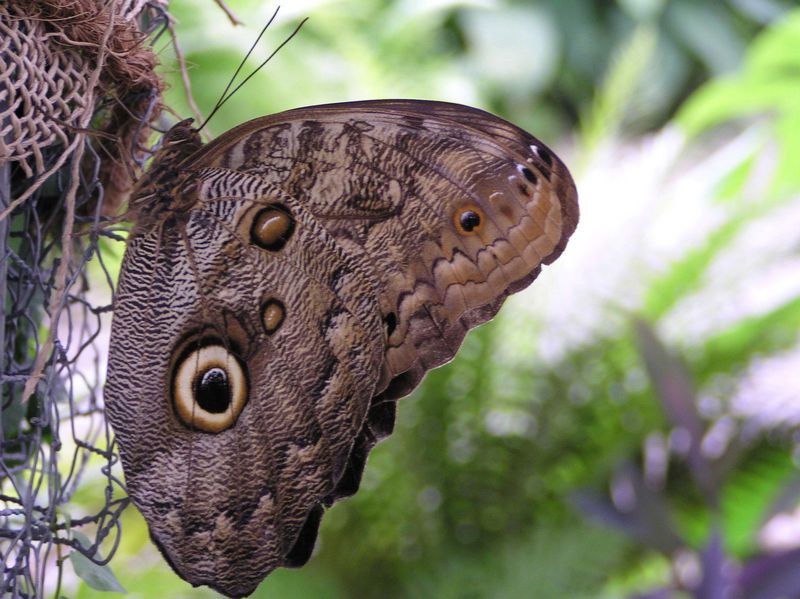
[(284, 285), (226, 487), (389, 178), (424, 160)]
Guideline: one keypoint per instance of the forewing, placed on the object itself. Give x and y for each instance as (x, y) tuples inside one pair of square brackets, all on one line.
[(391, 178)]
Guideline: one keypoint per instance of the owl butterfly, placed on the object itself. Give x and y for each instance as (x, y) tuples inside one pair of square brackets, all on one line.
[(283, 286)]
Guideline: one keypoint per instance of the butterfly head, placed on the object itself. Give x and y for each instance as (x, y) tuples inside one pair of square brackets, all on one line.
[(179, 143), (180, 134)]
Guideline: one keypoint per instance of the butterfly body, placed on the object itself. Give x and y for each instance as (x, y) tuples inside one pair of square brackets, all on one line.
[(283, 286)]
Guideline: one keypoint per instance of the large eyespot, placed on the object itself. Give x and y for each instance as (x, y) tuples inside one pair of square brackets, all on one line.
[(272, 227), (209, 388), (468, 220)]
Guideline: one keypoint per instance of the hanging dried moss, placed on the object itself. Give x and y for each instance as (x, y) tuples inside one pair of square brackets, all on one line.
[(49, 50)]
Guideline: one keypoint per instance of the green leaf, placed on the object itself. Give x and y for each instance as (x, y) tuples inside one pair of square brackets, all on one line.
[(709, 31), (613, 99), (687, 274), (498, 37), (767, 86), (731, 186), (100, 578), (762, 334)]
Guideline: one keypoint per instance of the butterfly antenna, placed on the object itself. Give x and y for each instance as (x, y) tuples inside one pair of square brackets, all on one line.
[(222, 97), (227, 97)]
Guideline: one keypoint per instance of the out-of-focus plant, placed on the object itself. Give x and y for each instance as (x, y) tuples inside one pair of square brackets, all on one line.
[(639, 502), (537, 63), (716, 492), (768, 86)]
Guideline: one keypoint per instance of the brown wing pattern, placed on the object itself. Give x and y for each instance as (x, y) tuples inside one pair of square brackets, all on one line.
[(387, 176), (284, 286)]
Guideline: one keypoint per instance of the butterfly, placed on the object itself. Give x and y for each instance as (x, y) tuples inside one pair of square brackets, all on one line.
[(283, 286)]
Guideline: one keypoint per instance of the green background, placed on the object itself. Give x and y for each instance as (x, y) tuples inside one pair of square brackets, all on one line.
[(672, 309)]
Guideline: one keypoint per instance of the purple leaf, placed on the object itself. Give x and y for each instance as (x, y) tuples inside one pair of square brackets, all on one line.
[(787, 500), (673, 387), (718, 572), (634, 509), (655, 594), (775, 576)]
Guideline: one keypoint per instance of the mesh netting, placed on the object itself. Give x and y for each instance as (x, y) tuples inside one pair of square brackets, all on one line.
[(34, 117), (67, 63), (70, 70)]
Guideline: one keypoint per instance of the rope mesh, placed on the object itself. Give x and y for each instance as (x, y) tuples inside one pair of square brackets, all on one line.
[(63, 76)]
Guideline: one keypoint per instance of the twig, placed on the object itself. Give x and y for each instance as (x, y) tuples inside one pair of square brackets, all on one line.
[(187, 84), (231, 15)]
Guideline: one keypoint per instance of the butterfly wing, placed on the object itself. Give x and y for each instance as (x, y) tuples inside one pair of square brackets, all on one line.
[(421, 162), (301, 274), (391, 178)]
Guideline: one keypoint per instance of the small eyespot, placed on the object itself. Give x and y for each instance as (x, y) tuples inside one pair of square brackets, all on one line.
[(527, 173), (545, 155), (272, 227), (468, 220), (209, 388), (272, 315)]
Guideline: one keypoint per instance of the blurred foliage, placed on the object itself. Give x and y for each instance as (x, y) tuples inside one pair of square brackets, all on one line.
[(767, 85), (507, 56), (705, 565), (475, 493)]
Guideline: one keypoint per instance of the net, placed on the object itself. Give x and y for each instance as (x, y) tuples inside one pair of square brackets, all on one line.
[(77, 94)]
